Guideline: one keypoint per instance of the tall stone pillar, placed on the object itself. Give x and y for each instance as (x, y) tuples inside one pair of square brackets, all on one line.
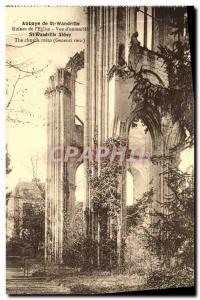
[(102, 38), (61, 132), (58, 96)]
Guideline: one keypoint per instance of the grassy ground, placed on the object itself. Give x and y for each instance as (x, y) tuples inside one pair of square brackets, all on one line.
[(99, 282), (73, 282)]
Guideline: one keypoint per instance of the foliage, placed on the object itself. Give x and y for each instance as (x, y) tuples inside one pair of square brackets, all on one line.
[(178, 216), (171, 278), (137, 213), (170, 233), (138, 259), (105, 190), (8, 167), (33, 227), (73, 240), (178, 66), (29, 222), (72, 253), (17, 246), (80, 251), (8, 171)]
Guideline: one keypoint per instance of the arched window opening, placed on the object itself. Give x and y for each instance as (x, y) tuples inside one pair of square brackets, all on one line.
[(137, 183), (140, 167), (81, 183)]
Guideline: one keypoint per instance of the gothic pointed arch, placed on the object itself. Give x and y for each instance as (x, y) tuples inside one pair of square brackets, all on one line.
[(150, 117)]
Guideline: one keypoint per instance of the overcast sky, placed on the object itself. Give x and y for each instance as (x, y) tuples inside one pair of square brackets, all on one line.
[(27, 139)]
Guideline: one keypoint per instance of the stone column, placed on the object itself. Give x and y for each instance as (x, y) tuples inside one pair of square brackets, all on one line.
[(57, 96), (61, 132)]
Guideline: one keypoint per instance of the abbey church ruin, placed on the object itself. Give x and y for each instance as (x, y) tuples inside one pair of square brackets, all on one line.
[(128, 101)]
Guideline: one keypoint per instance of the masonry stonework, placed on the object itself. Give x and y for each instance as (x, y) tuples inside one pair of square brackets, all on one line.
[(110, 112)]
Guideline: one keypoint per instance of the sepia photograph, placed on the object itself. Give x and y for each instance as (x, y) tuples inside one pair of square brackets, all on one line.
[(100, 141)]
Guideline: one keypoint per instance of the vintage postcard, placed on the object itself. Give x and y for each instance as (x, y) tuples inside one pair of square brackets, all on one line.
[(100, 149)]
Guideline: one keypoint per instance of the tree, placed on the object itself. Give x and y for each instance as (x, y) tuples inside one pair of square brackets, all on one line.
[(170, 234), (20, 70), (29, 221), (35, 160), (33, 227), (73, 242), (105, 189), (30, 238), (8, 171)]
